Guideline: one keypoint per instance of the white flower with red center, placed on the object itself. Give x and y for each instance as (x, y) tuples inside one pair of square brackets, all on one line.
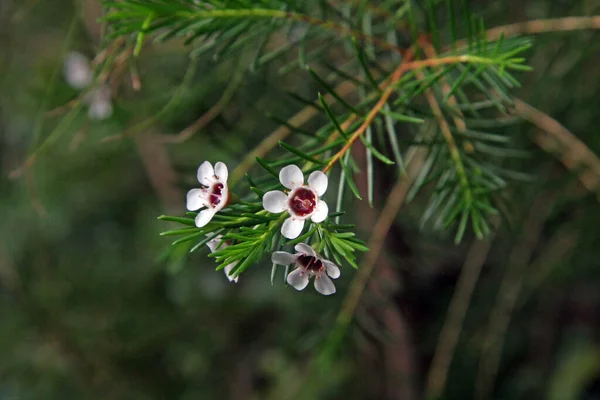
[(214, 195), (302, 201), (215, 243), (308, 264)]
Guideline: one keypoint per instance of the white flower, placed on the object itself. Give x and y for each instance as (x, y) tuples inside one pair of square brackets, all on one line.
[(78, 73), (308, 264), (100, 106), (212, 245), (302, 201), (77, 70), (214, 195)]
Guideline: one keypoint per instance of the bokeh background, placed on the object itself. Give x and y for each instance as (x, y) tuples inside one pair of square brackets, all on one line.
[(94, 304)]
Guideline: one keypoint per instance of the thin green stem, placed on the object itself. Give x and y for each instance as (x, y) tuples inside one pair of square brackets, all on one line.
[(279, 14), (242, 13)]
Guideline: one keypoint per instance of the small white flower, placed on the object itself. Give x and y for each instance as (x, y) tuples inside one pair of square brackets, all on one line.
[(302, 201), (78, 73), (308, 264), (77, 70), (100, 106), (214, 195), (212, 245)]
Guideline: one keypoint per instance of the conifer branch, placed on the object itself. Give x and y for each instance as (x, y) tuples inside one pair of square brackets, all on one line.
[(242, 13), (384, 222), (387, 92), (449, 138), (389, 87), (273, 139)]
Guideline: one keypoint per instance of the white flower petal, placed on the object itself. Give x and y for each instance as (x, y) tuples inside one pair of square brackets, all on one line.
[(228, 269), (206, 173), (78, 72), (196, 199), (324, 285), (320, 213), (100, 109), (282, 258), (292, 228), (221, 172), (291, 176), (204, 217), (297, 279), (214, 243), (332, 269), (275, 201), (318, 181), (305, 249)]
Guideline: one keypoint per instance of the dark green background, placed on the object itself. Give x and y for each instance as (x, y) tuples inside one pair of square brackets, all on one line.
[(94, 305)]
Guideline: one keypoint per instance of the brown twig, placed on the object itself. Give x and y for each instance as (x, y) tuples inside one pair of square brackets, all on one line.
[(78, 138), (65, 107), (394, 201), (558, 247), (196, 126), (555, 138), (389, 86), (173, 101), (538, 26), (416, 156), (544, 26), (210, 115), (136, 81), (398, 353), (475, 258), (459, 121), (159, 169), (343, 89), (388, 89), (508, 294), (299, 119), (457, 310), (446, 133)]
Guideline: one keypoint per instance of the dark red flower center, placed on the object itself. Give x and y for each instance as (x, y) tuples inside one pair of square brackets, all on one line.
[(303, 202), (216, 194), (310, 263)]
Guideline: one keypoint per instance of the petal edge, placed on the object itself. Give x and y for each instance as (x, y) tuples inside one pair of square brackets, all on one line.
[(305, 249), (297, 279), (195, 199), (206, 173), (291, 176), (282, 258), (204, 217), (320, 213), (324, 285), (292, 228), (275, 201), (221, 172), (318, 181)]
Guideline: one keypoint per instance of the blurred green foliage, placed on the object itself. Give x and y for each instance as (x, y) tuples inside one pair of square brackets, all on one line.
[(95, 304)]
